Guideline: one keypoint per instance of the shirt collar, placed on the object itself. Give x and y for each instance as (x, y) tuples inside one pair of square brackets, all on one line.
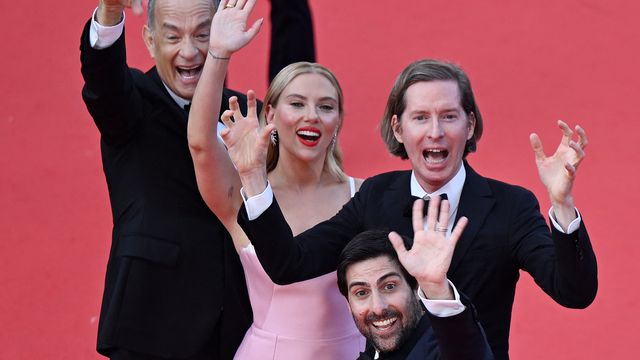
[(453, 188), (180, 101)]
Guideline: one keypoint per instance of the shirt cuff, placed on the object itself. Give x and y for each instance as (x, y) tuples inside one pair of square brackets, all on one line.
[(443, 308), (573, 226), (101, 37), (257, 204)]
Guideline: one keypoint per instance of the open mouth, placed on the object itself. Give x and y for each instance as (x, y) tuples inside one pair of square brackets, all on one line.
[(435, 156), (384, 324), (309, 136), (189, 73)]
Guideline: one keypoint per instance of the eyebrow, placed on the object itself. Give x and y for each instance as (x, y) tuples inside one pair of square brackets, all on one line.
[(172, 27), (324, 98), (447, 109), (382, 279)]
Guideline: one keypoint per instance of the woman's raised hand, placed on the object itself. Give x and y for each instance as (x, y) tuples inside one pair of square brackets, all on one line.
[(229, 31), (247, 144)]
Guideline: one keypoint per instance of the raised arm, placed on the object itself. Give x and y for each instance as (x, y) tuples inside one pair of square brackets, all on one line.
[(112, 101), (460, 336), (217, 178)]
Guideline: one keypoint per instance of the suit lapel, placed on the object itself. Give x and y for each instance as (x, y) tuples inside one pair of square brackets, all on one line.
[(180, 115), (476, 202)]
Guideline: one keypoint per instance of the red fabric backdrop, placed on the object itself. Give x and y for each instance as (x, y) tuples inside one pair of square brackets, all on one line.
[(530, 62)]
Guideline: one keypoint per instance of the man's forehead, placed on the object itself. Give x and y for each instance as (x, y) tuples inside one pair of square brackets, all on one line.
[(433, 94), (191, 7)]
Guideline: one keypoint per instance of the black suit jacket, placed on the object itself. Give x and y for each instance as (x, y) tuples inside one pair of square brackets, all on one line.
[(458, 337), (172, 267), (506, 233)]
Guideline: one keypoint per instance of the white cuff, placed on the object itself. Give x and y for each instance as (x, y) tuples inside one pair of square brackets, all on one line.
[(101, 37), (257, 204), (443, 308), (573, 226)]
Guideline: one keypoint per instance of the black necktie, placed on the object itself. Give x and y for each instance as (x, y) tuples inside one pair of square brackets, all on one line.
[(409, 208), (187, 107)]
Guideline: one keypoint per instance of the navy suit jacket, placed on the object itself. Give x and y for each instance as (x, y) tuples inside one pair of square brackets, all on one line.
[(172, 267), (506, 233)]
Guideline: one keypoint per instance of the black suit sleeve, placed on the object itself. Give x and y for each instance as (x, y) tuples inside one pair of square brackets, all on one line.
[(288, 259), (292, 37), (109, 92), (563, 265), (461, 337)]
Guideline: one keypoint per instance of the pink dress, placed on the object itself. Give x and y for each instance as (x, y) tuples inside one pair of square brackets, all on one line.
[(305, 320)]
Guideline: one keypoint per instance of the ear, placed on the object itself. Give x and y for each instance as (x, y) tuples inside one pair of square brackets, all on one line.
[(397, 129), (147, 36), (472, 125), (269, 113)]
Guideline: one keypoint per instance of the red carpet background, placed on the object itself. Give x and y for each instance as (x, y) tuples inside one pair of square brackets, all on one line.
[(531, 63)]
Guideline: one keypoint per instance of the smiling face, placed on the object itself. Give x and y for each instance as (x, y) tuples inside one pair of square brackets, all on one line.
[(382, 303), (306, 116), (434, 130), (178, 41)]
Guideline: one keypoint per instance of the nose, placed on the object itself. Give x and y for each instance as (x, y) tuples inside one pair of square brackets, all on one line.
[(435, 129), (378, 304), (312, 114), (188, 48)]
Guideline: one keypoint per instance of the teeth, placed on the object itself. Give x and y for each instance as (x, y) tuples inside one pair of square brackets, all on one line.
[(384, 323), (435, 156), (308, 133), (189, 72)]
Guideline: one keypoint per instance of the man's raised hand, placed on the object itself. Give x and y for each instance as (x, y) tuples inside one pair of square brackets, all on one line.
[(558, 171), (110, 11), (429, 258)]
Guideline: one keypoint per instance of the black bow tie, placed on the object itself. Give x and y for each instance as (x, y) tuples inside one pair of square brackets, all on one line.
[(409, 208), (187, 107)]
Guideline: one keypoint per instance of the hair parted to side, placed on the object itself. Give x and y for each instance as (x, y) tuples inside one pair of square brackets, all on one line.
[(151, 12), (367, 245), (428, 70), (333, 160)]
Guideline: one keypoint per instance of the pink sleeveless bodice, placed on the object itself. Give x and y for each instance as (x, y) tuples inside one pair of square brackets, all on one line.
[(305, 320)]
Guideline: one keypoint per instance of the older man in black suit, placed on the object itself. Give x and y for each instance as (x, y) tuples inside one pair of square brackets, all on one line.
[(432, 119), (174, 287)]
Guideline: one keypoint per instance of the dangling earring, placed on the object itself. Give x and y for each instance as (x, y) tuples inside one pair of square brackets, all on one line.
[(274, 137), (334, 140)]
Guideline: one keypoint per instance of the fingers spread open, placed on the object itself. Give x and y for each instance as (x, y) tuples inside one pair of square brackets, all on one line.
[(251, 104), (241, 4), (443, 217), (566, 131), (398, 244), (417, 215), (226, 119), (432, 213), (457, 230), (536, 145), (582, 137)]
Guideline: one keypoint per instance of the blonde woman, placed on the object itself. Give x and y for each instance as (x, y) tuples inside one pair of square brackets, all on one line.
[(303, 110)]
